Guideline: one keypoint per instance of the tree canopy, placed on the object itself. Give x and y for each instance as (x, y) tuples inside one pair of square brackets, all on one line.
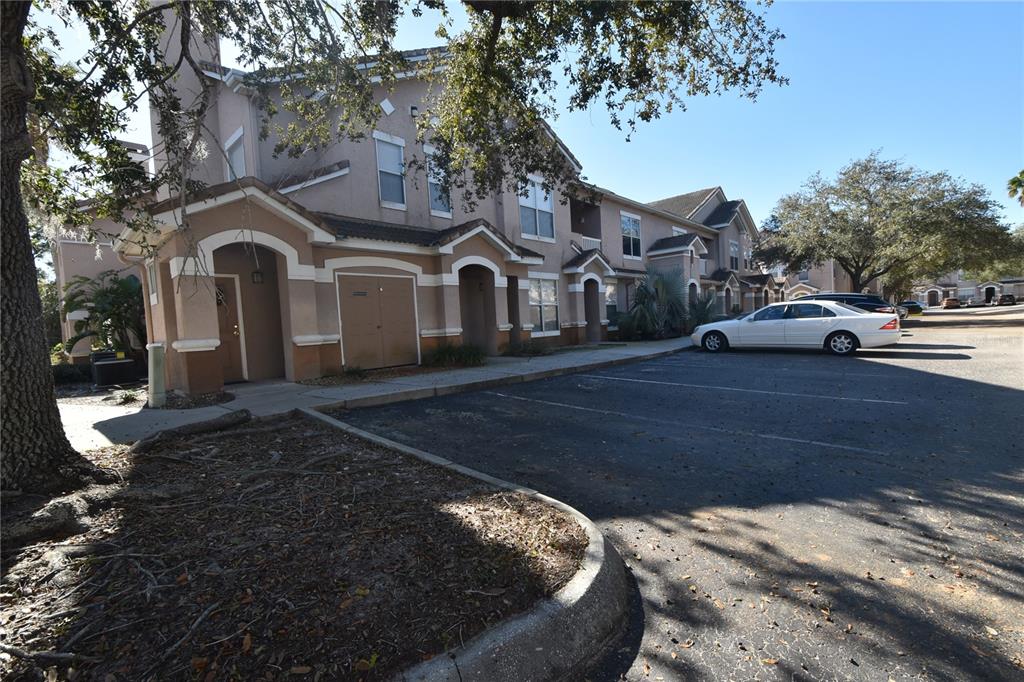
[(881, 219), (495, 87)]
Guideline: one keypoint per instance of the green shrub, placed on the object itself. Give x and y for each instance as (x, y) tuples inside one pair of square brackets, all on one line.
[(65, 373), (532, 348), (354, 372), (659, 306), (466, 355), (127, 397), (702, 310)]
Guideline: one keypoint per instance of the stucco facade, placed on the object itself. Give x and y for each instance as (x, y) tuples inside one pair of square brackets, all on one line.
[(298, 268)]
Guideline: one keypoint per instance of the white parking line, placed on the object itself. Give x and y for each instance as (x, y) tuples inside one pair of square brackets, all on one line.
[(774, 370), (745, 390), (700, 427)]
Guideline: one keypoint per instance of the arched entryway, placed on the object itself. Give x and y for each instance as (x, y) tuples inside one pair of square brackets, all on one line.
[(693, 291), (728, 301), (766, 297), (990, 293), (477, 308), (592, 309), (249, 312), (933, 298)]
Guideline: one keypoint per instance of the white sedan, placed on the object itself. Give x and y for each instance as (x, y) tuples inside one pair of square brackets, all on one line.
[(836, 327)]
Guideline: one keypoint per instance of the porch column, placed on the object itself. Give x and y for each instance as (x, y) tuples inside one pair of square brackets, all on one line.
[(501, 316), (198, 333), (299, 325)]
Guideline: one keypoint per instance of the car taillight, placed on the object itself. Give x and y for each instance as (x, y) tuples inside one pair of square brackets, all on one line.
[(891, 324)]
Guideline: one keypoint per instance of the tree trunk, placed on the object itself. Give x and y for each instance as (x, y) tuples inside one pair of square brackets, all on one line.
[(37, 456)]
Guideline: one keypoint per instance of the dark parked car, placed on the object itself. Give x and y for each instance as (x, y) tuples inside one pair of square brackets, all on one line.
[(1007, 299), (868, 302), (913, 307)]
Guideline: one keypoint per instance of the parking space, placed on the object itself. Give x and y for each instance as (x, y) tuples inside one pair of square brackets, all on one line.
[(785, 514)]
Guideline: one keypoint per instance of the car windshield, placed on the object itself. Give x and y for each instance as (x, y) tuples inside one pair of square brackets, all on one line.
[(852, 309)]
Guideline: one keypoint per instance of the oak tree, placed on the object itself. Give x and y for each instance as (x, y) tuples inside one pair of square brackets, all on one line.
[(882, 219)]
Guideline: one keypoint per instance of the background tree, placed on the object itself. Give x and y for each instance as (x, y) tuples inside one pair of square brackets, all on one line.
[(1015, 187), (1008, 263), (883, 218), (638, 59)]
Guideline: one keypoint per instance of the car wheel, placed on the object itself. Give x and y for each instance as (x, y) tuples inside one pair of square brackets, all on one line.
[(841, 343), (713, 342)]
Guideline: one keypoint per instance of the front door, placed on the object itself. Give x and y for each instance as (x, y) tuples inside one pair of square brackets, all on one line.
[(229, 323), (767, 327)]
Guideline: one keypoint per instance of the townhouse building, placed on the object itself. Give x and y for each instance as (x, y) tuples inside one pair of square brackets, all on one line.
[(299, 267), (959, 285)]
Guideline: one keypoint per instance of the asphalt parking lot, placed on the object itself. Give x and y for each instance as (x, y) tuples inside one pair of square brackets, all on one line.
[(786, 515)]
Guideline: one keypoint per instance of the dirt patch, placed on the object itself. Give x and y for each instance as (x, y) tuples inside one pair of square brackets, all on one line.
[(288, 550), (87, 394)]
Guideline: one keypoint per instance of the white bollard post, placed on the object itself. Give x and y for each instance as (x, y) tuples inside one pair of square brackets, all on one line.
[(157, 392)]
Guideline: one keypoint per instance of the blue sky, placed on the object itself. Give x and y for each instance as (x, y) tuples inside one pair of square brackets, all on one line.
[(937, 85)]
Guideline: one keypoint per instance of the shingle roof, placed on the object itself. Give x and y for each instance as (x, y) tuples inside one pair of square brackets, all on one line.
[(584, 257), (300, 178), (758, 280), (347, 227), (683, 204), (720, 275), (723, 213), (675, 241)]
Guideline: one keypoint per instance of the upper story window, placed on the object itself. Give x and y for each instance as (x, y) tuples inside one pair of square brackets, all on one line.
[(234, 152), (536, 212), (630, 235), (734, 255), (440, 199), (390, 170), (804, 276)]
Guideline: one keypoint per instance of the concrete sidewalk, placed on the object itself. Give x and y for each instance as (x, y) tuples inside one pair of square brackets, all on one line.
[(92, 426)]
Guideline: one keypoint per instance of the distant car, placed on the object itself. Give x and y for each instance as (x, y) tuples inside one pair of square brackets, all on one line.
[(1007, 299), (950, 303), (868, 302), (835, 327), (913, 307)]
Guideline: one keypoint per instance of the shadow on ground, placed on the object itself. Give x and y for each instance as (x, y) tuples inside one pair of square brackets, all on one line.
[(866, 541)]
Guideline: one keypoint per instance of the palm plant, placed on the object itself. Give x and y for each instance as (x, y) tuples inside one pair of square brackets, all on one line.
[(659, 304), (702, 310), (115, 307)]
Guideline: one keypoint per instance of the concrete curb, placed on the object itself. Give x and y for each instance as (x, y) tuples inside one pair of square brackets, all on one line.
[(554, 639), (449, 389)]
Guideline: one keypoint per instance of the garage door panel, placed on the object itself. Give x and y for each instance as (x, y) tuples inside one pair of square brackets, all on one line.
[(378, 321), (360, 321), (398, 321)]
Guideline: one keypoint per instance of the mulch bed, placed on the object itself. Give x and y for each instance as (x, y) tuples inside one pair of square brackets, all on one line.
[(371, 375), (279, 549)]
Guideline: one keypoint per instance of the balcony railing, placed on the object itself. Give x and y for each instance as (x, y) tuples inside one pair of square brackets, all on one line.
[(590, 243)]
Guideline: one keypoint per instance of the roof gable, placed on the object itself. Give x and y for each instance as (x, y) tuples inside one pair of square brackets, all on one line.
[(684, 205)]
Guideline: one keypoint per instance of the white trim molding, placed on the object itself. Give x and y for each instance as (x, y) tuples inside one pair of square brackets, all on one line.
[(448, 331), (449, 248), (315, 181), (387, 137), (315, 233), (605, 265), (500, 282), (570, 325), (315, 339), (542, 275), (202, 263), (193, 345), (505, 327)]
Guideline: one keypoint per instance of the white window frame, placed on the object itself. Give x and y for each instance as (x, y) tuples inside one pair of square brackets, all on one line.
[(428, 151), (538, 183), (615, 287), (639, 237), (738, 255), (379, 136), (544, 282), (151, 282), (237, 137)]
